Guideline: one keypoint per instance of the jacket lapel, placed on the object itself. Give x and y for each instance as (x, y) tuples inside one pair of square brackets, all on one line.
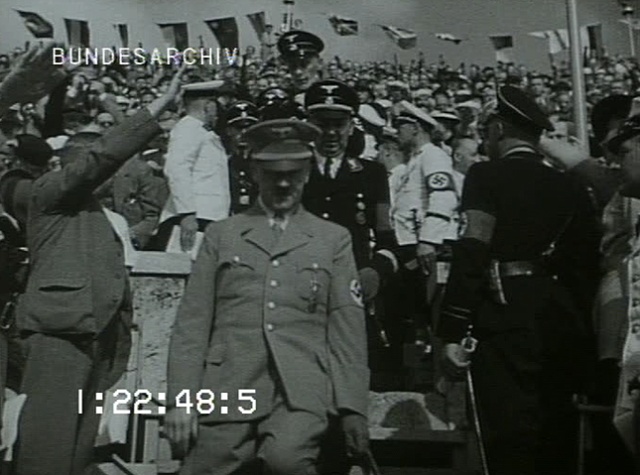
[(257, 230), (297, 234)]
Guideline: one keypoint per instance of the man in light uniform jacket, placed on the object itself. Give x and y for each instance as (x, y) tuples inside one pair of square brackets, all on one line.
[(196, 167), (271, 323), (424, 211)]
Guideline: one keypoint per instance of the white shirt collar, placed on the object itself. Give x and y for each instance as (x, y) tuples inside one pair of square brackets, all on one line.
[(273, 220), (335, 164)]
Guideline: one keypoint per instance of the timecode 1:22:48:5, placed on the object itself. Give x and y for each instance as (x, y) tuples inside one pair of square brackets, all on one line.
[(204, 402)]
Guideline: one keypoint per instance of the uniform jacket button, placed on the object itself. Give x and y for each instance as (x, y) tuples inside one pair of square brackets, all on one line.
[(275, 263), (269, 327), (271, 305)]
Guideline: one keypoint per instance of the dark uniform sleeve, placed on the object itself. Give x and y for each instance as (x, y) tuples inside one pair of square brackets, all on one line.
[(384, 261), (15, 191), (577, 258), (194, 321), (53, 111), (477, 192), (470, 256)]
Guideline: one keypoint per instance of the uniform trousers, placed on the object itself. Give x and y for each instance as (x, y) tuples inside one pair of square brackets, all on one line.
[(525, 405), (285, 442), (54, 439)]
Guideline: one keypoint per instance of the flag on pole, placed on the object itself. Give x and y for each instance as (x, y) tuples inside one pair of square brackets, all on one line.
[(405, 39), (77, 32), (448, 37), (123, 34), (175, 35), (259, 23), (591, 39), (558, 40), (503, 44), (37, 26), (226, 32), (343, 26)]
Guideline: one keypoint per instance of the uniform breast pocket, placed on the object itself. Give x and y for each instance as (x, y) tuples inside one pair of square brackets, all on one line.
[(62, 306), (313, 280), (236, 274)]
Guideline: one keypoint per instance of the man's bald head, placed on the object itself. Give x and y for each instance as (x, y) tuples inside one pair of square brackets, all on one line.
[(465, 154)]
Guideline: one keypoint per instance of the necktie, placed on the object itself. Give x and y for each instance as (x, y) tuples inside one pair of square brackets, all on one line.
[(327, 168), (276, 227)]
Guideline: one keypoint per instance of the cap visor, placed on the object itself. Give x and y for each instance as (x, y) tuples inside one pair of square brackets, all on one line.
[(285, 165), (242, 122), (330, 107)]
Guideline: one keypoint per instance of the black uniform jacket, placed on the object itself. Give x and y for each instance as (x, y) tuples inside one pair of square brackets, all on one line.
[(533, 206)]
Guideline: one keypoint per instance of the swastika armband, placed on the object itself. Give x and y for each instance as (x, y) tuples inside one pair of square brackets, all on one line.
[(439, 181)]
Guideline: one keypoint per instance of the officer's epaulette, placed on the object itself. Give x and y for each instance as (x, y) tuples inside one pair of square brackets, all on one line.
[(355, 165)]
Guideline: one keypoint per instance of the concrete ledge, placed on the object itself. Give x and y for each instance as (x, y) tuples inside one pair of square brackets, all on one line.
[(161, 263)]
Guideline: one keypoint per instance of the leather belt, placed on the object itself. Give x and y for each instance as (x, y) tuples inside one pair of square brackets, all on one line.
[(522, 268)]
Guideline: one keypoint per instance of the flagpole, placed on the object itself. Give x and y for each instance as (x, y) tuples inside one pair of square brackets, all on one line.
[(627, 12), (289, 14), (579, 96)]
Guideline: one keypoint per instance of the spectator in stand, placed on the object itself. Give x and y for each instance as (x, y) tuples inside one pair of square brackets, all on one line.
[(564, 106)]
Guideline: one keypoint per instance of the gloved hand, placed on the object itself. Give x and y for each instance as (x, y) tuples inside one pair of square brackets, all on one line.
[(370, 282), (356, 433), (188, 230), (181, 429), (455, 361)]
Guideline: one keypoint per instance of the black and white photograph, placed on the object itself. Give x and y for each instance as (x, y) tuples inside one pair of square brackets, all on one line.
[(319, 237)]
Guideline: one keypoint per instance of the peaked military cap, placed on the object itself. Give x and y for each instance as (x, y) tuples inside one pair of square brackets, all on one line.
[(331, 95), (242, 114), (517, 108), (412, 114), (275, 103), (281, 144), (271, 96), (450, 116), (204, 89), (299, 44)]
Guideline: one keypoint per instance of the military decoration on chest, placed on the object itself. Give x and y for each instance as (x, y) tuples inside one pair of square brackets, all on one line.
[(361, 216), (315, 287), (241, 115)]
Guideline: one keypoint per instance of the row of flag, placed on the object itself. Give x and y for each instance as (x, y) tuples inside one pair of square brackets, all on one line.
[(227, 34), (174, 34), (558, 40)]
